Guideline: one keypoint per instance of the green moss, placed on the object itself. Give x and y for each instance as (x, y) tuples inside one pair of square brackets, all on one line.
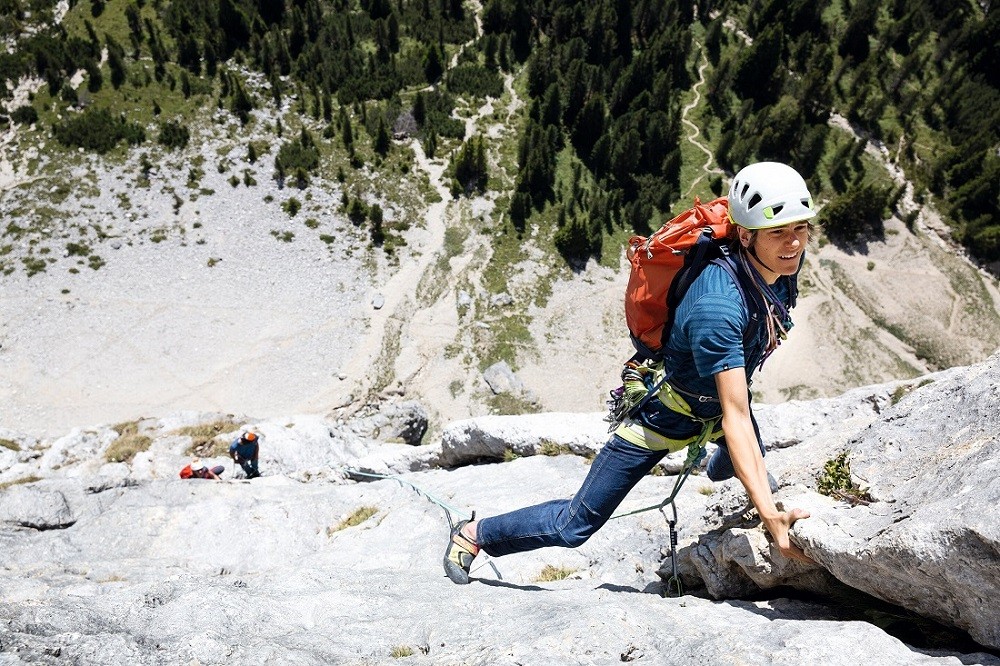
[(356, 518), (835, 481), (509, 455)]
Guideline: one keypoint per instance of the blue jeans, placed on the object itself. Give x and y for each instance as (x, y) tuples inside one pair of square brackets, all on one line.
[(570, 522)]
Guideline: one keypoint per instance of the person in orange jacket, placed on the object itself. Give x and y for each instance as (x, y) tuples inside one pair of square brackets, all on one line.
[(196, 469)]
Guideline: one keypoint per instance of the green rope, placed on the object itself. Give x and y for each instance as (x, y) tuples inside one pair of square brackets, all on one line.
[(448, 509)]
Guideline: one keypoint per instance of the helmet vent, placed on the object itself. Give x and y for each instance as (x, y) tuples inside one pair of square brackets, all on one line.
[(754, 200), (743, 193), (777, 209)]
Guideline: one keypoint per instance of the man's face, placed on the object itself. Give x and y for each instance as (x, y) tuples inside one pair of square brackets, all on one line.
[(778, 250)]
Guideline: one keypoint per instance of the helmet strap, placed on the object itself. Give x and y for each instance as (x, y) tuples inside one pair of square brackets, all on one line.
[(749, 247), (753, 253)]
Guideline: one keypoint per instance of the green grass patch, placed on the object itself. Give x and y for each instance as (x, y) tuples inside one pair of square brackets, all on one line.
[(503, 340), (205, 438), (905, 390), (9, 444), (359, 516), (17, 482), (507, 404), (128, 443), (550, 573), (549, 448)]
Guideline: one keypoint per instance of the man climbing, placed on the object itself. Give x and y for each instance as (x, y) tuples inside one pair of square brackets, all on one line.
[(244, 451), (196, 469), (730, 320)]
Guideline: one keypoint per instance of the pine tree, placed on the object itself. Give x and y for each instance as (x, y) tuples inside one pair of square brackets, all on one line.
[(116, 62), (382, 139), (433, 67), (242, 105), (347, 133)]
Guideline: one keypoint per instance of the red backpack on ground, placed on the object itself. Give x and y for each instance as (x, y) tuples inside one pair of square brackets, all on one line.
[(186, 472), (689, 241)]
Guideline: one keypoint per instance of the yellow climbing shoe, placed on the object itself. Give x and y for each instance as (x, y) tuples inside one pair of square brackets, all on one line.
[(459, 554)]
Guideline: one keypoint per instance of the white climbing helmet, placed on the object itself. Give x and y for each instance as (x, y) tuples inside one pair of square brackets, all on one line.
[(769, 194)]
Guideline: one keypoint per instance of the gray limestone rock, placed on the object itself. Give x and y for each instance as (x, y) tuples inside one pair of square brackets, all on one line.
[(501, 379), (924, 538), (489, 437), (36, 508), (315, 564), (397, 422)]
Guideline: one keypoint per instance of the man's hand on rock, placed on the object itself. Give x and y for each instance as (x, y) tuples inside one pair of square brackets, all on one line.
[(779, 527)]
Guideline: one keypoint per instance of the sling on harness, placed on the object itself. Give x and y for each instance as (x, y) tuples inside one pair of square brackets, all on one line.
[(671, 398)]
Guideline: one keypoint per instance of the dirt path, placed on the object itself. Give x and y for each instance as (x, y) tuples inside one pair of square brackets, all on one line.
[(707, 167)]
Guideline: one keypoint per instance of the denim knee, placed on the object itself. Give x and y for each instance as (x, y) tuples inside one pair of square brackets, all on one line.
[(577, 524), (720, 466)]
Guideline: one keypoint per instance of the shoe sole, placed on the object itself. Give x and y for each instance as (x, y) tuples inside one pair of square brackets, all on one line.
[(454, 572), (457, 574)]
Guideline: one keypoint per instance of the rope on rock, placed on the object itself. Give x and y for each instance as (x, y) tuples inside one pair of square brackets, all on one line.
[(449, 511)]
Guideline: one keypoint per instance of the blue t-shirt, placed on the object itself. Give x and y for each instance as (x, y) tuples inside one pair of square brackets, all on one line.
[(707, 338), (245, 450)]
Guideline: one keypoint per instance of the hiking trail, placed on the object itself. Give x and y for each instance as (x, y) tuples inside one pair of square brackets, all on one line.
[(707, 167)]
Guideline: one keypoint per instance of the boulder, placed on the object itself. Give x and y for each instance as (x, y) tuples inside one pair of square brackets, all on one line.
[(920, 530), (494, 437), (396, 422), (35, 508)]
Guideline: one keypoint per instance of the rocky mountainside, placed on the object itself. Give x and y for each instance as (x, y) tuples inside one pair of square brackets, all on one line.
[(225, 302), (139, 286), (334, 555)]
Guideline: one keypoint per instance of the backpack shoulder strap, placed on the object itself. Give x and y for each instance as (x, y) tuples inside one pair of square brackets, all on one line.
[(702, 253), (755, 305)]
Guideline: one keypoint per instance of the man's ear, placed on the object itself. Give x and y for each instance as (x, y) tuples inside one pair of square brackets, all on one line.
[(745, 236)]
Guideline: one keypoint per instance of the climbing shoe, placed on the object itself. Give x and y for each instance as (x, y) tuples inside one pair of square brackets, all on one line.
[(459, 554)]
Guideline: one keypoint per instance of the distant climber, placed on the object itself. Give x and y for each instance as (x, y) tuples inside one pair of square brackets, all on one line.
[(244, 451), (196, 469)]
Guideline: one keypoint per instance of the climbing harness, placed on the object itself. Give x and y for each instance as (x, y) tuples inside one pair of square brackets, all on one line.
[(696, 452), (636, 390), (449, 511)]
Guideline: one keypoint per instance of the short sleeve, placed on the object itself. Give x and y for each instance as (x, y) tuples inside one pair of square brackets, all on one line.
[(714, 326)]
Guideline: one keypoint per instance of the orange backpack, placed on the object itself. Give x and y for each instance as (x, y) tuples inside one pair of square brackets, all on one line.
[(186, 472), (689, 241)]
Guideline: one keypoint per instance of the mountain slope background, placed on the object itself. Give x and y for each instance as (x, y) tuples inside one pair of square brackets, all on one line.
[(267, 236)]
